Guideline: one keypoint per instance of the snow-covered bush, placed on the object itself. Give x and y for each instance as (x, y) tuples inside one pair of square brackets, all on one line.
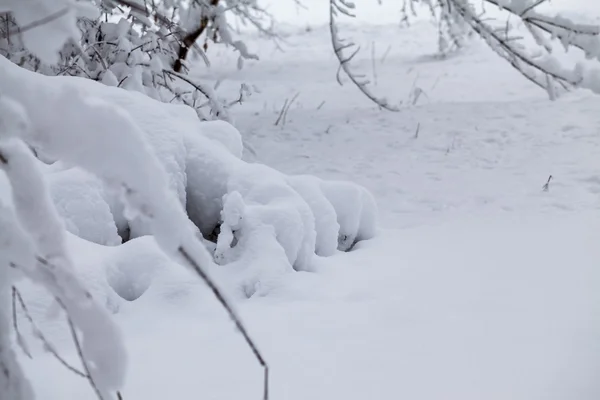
[(504, 31), (136, 45), (89, 166)]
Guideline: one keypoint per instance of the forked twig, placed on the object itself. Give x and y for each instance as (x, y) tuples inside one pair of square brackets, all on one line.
[(39, 334)]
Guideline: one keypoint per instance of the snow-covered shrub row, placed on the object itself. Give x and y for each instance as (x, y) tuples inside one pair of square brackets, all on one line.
[(87, 166), (226, 198)]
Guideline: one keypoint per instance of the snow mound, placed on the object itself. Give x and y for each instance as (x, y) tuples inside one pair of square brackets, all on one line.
[(258, 196), (80, 200), (225, 134), (356, 212), (132, 267), (326, 224)]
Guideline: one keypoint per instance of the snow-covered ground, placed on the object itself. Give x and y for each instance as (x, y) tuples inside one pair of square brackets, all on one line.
[(479, 286)]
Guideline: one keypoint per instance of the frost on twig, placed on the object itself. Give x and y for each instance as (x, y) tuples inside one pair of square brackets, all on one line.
[(345, 50)]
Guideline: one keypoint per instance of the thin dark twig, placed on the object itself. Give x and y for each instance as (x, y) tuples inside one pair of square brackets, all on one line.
[(232, 314), (79, 349), (546, 186), (531, 7), (20, 339), (285, 113), (281, 112), (38, 333)]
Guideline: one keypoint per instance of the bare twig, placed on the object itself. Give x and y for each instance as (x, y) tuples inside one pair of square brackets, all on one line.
[(191, 261), (216, 106), (20, 339), (385, 54), (232, 314), (40, 335), (281, 112), (79, 349), (546, 186), (285, 113)]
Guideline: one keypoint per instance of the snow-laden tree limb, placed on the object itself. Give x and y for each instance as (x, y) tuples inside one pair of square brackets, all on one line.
[(345, 50), (538, 65), (46, 261)]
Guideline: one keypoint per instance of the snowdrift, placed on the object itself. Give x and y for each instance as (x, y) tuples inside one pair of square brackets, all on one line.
[(258, 222)]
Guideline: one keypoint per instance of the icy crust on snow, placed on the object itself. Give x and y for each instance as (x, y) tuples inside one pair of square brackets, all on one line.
[(263, 222)]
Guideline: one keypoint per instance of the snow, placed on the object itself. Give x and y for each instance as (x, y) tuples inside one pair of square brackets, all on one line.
[(83, 205), (53, 267), (327, 227), (346, 199), (265, 198), (392, 318), (225, 134), (476, 284)]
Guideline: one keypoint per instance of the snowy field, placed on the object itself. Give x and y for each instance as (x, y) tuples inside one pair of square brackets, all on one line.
[(479, 285)]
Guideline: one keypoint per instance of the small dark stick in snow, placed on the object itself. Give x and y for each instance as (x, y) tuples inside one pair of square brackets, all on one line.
[(387, 51), (288, 108), (417, 131), (281, 112), (546, 186)]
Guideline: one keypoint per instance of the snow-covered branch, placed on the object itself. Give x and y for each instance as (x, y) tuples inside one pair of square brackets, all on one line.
[(345, 50), (37, 249), (539, 65)]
